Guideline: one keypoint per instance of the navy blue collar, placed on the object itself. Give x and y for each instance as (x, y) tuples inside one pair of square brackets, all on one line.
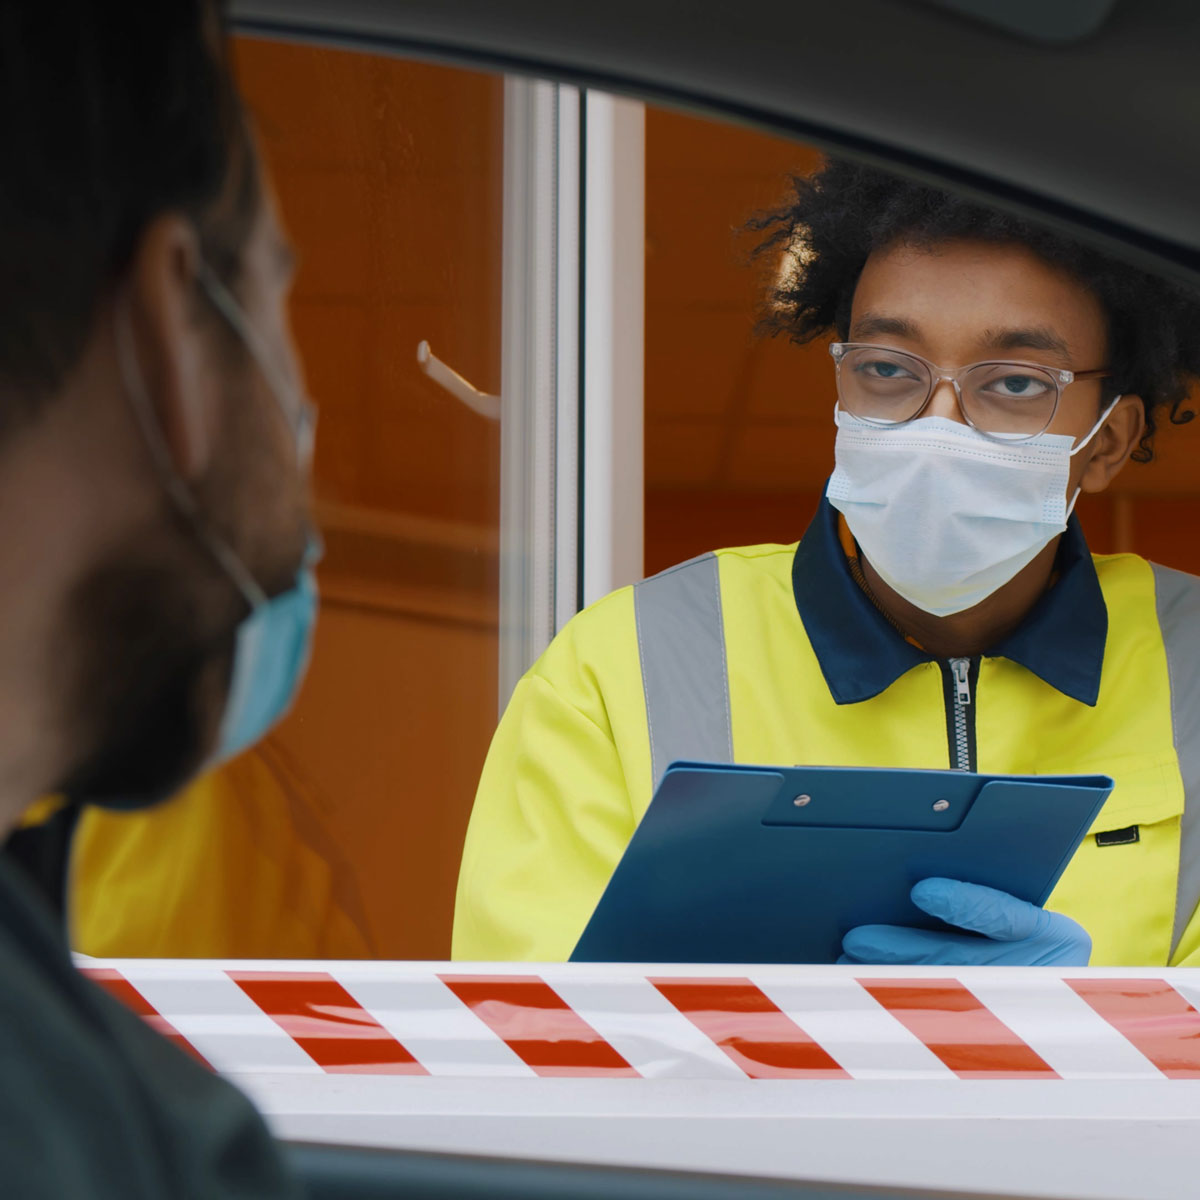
[(1061, 640)]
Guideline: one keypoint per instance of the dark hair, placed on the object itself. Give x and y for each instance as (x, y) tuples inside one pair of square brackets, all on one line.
[(835, 218), (110, 115)]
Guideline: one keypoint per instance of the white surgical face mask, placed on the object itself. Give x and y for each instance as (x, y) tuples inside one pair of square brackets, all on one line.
[(945, 515)]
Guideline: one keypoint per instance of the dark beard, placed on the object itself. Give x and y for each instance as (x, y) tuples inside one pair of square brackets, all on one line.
[(146, 655), (147, 668)]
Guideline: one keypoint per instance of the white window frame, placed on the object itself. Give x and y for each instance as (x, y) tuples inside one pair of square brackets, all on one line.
[(571, 441), (614, 343)]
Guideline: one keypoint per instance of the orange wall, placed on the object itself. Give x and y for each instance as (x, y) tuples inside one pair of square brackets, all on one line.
[(389, 176)]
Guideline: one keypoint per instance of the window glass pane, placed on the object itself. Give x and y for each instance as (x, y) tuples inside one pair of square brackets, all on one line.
[(340, 835), (390, 175)]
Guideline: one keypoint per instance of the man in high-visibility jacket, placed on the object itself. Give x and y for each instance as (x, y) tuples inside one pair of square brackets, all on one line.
[(941, 610)]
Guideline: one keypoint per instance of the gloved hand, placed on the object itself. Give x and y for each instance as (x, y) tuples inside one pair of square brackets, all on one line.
[(1016, 934)]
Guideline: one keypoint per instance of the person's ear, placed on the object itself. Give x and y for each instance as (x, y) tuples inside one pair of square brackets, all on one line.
[(171, 344), (1115, 442)]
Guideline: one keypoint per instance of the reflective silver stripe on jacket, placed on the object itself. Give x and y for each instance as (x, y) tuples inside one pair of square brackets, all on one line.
[(681, 642), (1178, 599)]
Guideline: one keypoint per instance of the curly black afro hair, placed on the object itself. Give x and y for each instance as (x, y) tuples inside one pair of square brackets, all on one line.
[(837, 217)]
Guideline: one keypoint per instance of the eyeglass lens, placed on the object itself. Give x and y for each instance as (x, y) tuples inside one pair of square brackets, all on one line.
[(888, 387)]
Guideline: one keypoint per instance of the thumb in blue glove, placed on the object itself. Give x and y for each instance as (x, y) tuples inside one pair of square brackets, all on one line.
[(1015, 933)]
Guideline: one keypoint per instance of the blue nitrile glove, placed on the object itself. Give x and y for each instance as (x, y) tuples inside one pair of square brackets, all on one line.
[(1015, 933)]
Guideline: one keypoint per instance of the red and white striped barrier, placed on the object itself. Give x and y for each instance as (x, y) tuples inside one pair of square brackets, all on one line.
[(614, 1022), (1082, 1084)]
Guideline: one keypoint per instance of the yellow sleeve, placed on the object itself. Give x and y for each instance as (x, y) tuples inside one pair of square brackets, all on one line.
[(553, 813), (234, 867)]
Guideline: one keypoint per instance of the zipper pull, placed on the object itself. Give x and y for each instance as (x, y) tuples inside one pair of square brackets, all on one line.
[(961, 669)]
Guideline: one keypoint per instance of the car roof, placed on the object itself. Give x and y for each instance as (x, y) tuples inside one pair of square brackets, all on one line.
[(1083, 112)]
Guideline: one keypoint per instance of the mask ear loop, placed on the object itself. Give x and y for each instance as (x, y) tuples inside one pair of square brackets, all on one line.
[(1095, 430), (176, 489), (299, 414)]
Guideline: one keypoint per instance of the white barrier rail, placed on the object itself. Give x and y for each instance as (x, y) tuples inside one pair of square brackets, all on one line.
[(1082, 1083)]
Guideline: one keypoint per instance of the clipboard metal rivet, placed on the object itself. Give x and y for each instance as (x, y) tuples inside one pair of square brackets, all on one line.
[(941, 805), (801, 801)]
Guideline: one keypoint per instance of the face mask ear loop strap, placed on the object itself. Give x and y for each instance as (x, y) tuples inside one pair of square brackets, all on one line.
[(1097, 427), (298, 414), (164, 467)]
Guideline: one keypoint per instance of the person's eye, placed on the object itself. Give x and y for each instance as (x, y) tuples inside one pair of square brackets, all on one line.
[(884, 369), (1024, 386)]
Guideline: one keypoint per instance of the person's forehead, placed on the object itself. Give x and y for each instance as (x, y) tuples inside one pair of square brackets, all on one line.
[(977, 288), (973, 264)]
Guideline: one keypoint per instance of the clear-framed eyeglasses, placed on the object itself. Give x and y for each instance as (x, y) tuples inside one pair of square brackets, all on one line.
[(1008, 401)]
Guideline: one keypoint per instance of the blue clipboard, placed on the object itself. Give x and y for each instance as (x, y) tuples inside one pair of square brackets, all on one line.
[(776, 864)]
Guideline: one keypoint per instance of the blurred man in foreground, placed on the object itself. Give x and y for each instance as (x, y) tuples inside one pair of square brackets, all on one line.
[(155, 544)]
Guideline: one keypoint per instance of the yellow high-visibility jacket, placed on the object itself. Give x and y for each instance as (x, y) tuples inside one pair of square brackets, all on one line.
[(237, 866), (773, 654)]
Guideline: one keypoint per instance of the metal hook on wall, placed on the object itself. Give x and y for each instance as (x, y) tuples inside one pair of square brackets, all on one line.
[(465, 392)]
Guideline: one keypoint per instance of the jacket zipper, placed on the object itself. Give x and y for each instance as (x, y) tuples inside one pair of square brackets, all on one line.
[(959, 676)]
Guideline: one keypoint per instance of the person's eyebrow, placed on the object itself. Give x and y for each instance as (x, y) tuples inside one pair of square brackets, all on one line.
[(1036, 337), (871, 324)]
